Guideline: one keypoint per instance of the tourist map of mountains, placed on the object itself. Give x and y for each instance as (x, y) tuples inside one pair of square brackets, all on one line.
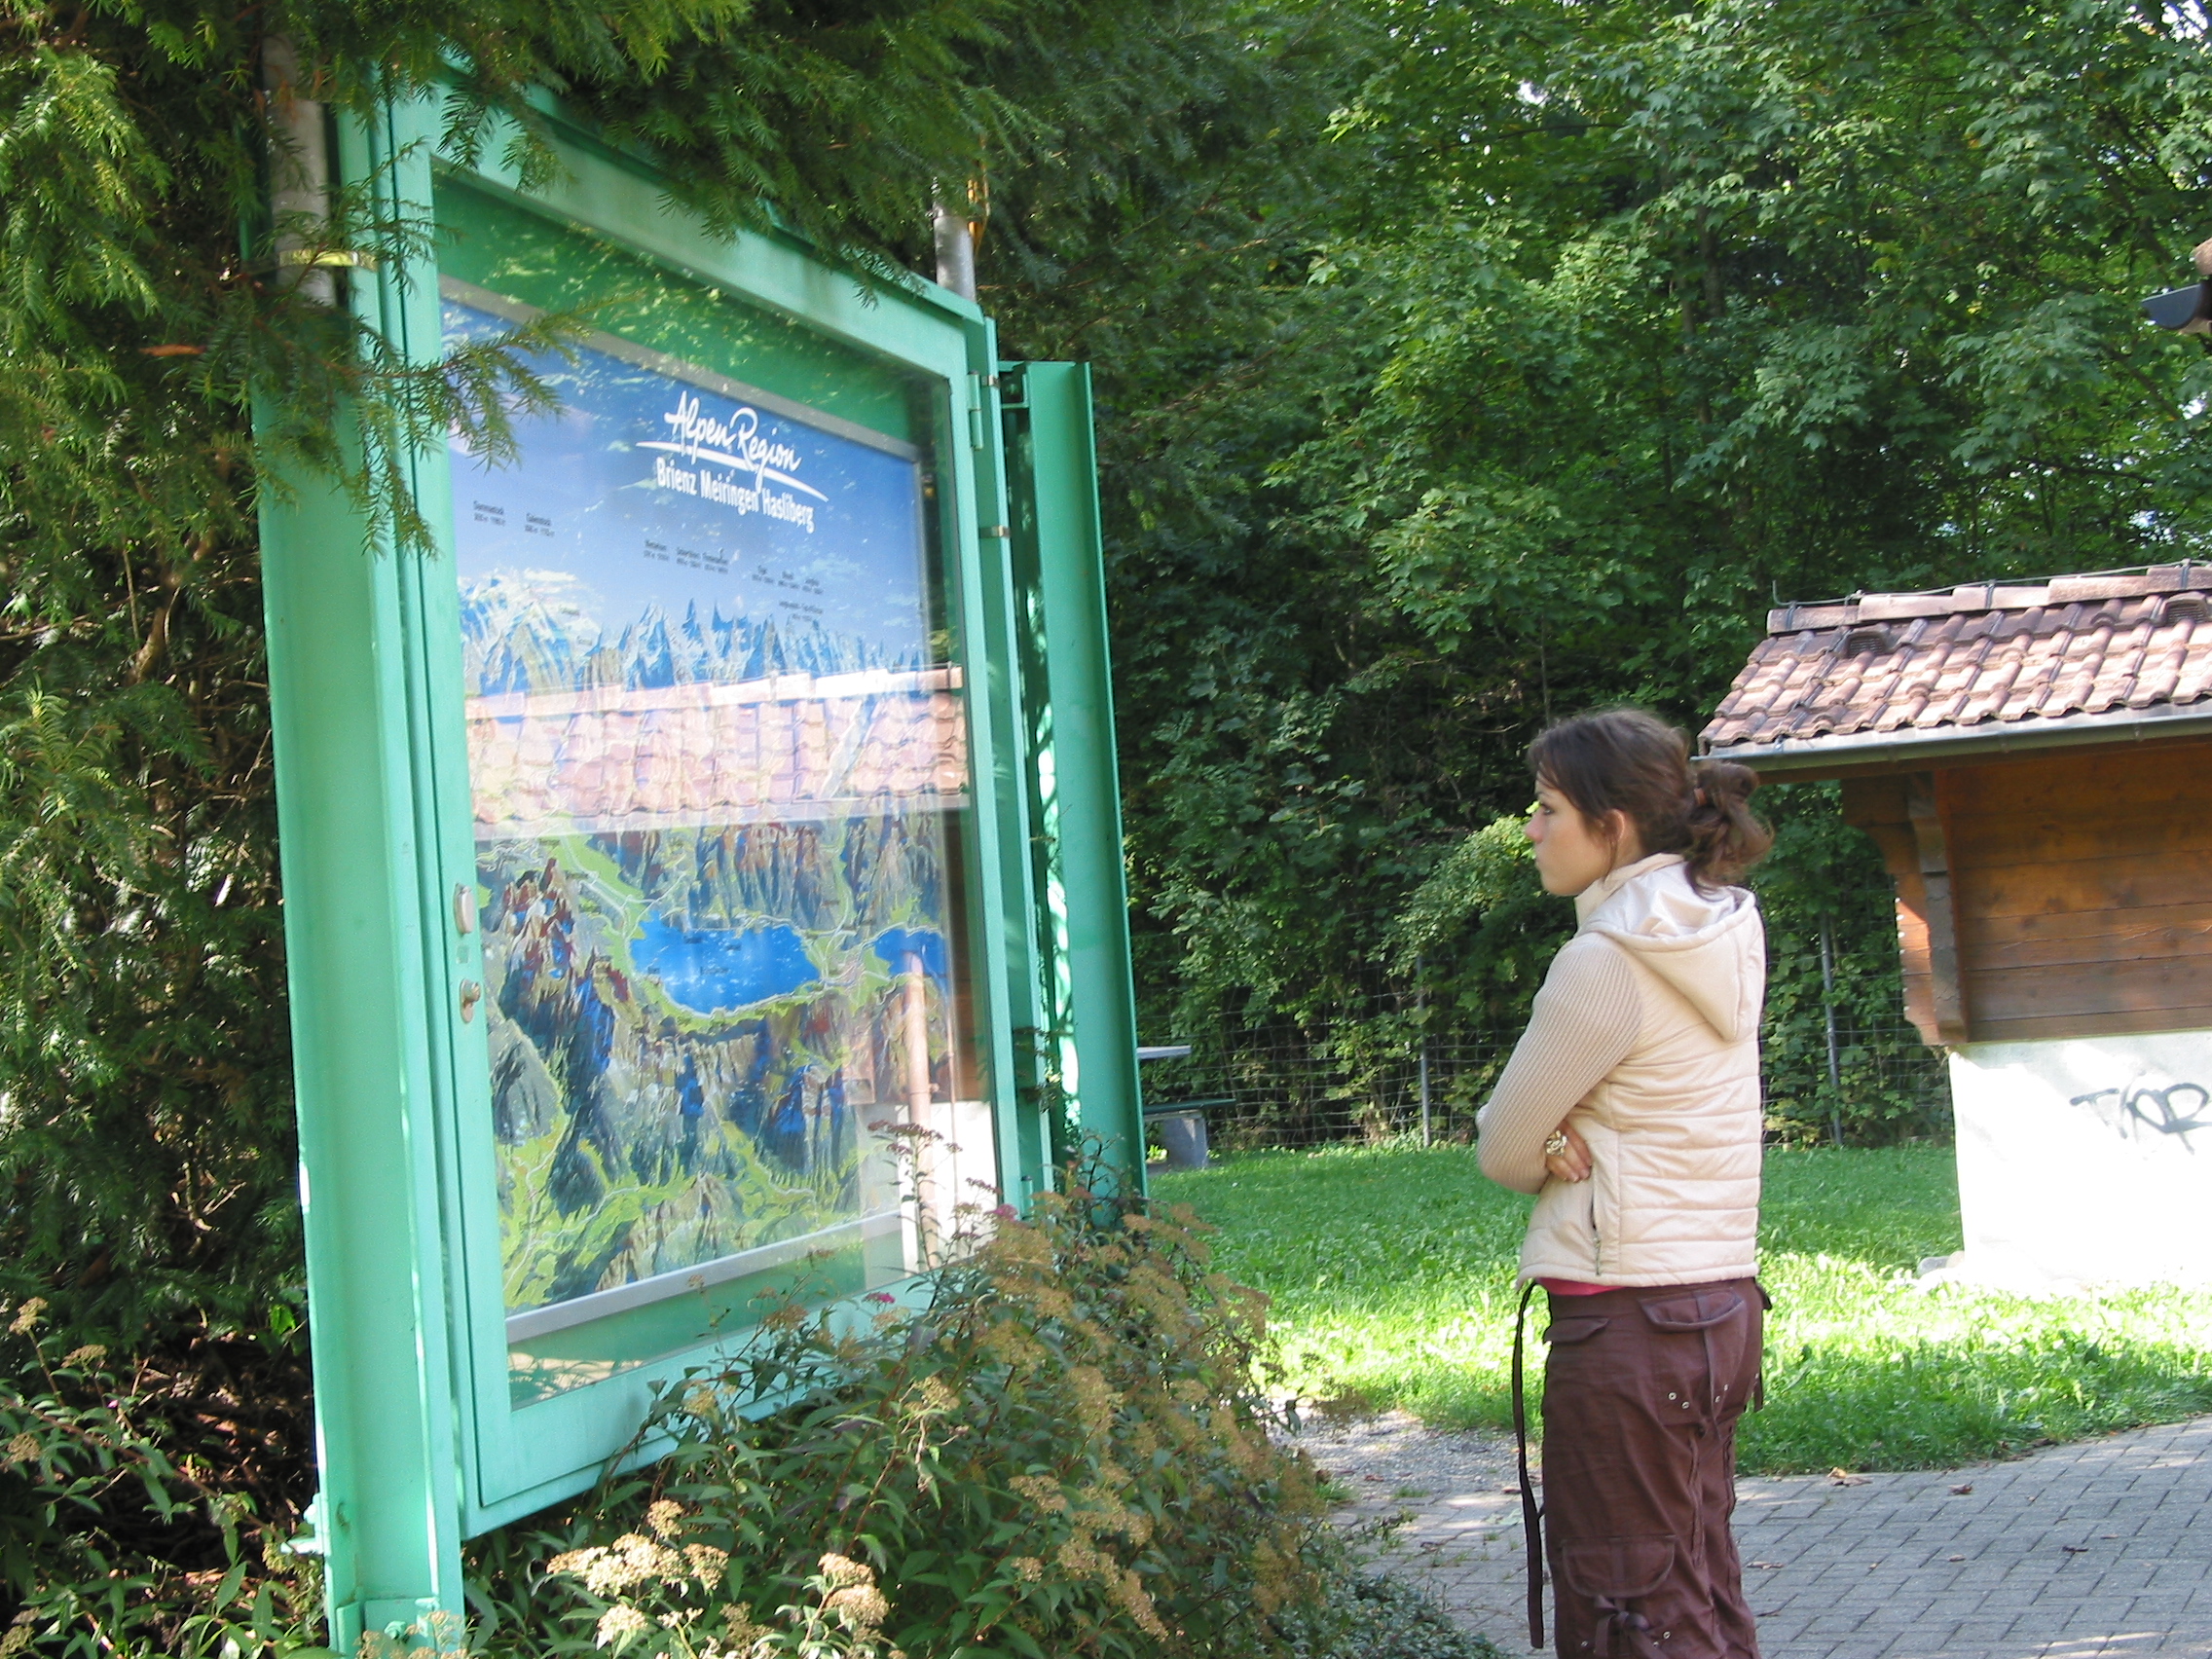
[(713, 769)]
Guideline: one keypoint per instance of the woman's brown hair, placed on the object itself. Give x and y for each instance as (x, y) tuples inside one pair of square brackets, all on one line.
[(1626, 760)]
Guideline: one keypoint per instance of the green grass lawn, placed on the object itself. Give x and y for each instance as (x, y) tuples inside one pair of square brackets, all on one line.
[(1391, 1273)]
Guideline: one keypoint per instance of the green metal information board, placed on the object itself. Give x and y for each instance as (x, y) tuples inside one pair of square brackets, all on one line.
[(725, 805)]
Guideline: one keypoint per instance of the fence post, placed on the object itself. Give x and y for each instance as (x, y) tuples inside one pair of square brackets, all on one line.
[(1827, 1004), (1420, 1004), (1425, 1138)]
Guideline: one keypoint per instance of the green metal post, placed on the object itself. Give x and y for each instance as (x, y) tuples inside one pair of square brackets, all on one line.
[(342, 679), (1002, 694), (1051, 456)]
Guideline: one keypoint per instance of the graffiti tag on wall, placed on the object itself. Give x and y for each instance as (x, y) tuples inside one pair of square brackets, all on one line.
[(2139, 1112)]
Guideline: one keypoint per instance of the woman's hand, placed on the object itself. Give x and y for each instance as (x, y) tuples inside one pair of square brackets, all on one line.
[(1571, 1161)]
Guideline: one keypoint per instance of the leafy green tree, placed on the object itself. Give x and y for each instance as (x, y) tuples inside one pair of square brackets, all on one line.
[(1708, 305), (1607, 329)]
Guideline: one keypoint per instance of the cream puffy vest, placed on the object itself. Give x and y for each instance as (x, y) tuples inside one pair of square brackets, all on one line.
[(1674, 1130)]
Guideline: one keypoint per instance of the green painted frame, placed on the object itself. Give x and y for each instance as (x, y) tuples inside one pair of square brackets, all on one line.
[(419, 1444), (1090, 1019), (518, 1461)]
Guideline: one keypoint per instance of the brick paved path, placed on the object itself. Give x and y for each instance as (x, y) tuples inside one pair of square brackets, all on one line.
[(2103, 1548)]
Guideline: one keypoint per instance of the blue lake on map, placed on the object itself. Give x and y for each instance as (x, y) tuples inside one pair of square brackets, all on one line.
[(709, 970), (894, 944)]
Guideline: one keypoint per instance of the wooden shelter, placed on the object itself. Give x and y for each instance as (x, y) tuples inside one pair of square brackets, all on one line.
[(2034, 763)]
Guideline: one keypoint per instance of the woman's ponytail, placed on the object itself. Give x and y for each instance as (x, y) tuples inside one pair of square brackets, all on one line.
[(1725, 839)]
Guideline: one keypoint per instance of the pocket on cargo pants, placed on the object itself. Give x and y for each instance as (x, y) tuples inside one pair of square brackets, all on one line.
[(1613, 1575), (1706, 1379)]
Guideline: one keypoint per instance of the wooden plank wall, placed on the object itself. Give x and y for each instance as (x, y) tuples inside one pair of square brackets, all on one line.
[(2079, 887)]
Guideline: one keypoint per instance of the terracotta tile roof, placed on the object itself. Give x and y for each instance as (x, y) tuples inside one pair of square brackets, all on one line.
[(2004, 658), (794, 747)]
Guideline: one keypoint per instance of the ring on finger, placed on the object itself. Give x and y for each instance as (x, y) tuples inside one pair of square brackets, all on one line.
[(1555, 1144)]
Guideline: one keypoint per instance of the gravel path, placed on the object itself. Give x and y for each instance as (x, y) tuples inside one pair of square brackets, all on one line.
[(2099, 1548)]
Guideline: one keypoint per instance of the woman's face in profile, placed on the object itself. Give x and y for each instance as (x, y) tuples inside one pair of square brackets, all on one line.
[(1571, 853)]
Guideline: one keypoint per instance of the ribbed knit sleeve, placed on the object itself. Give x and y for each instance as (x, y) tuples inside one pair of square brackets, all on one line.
[(1584, 1022)]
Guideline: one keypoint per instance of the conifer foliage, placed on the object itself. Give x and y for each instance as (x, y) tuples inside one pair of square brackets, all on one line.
[(145, 1142), (158, 370)]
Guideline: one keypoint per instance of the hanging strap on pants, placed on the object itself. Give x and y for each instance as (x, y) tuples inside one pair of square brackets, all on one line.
[(1531, 1512)]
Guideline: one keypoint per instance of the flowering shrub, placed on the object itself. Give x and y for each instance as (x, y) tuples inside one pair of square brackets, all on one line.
[(1065, 1453), (663, 1588)]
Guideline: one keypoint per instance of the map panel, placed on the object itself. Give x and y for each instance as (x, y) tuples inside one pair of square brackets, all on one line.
[(717, 772)]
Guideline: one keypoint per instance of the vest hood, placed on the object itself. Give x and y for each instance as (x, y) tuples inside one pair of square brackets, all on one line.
[(1710, 948)]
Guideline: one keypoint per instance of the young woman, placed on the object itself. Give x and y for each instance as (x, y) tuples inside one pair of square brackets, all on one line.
[(1631, 1108)]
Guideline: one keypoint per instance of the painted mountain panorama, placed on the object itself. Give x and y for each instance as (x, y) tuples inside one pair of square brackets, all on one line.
[(714, 775)]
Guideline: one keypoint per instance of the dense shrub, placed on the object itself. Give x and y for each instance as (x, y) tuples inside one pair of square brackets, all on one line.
[(1467, 949), (1062, 1449), (1825, 878), (1063, 1453), (143, 1510)]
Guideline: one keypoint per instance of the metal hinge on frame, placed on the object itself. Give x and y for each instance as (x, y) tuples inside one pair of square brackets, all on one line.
[(978, 437)]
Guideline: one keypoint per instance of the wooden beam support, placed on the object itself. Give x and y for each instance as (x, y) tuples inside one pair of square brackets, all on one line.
[(1946, 985), (1916, 852)]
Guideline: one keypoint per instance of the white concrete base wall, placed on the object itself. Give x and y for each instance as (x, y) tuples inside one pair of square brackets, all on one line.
[(2085, 1160)]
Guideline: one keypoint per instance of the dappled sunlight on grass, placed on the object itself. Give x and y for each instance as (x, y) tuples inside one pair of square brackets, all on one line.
[(1392, 1270)]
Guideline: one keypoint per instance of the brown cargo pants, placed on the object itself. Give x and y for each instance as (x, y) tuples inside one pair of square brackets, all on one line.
[(1641, 1393)]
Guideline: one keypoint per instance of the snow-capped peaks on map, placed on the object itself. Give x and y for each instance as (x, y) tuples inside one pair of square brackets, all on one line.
[(533, 631), (715, 760)]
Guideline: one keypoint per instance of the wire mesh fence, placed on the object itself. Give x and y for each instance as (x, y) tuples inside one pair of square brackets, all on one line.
[(1386, 1065), (1283, 1084)]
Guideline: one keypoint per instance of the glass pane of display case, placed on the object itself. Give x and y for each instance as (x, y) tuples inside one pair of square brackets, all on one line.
[(719, 772)]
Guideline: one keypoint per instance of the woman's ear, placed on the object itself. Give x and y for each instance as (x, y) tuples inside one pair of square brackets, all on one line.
[(1621, 835)]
